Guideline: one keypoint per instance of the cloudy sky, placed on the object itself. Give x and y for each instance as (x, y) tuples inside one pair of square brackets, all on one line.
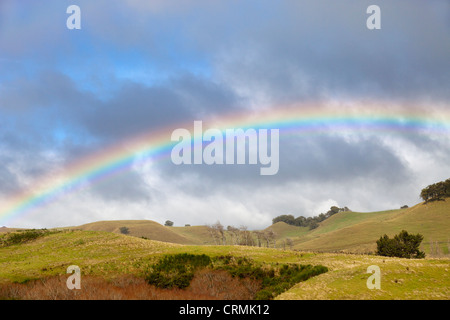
[(137, 66)]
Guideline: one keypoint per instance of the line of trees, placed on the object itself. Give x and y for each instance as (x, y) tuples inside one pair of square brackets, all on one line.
[(436, 191), (311, 222), (241, 236)]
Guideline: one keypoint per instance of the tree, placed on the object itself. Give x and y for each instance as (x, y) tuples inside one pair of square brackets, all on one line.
[(286, 218), (168, 223), (311, 222), (212, 233), (234, 232), (124, 230), (300, 221), (334, 209), (289, 242), (403, 245), (259, 237), (219, 231), (313, 225), (436, 191), (270, 235)]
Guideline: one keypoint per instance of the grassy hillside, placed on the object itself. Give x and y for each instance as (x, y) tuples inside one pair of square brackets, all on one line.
[(152, 230), (357, 232), (284, 230), (5, 229), (194, 234), (401, 279), (109, 255)]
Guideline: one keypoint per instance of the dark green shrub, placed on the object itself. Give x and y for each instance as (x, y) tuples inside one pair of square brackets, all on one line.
[(176, 270), (124, 230), (288, 276), (403, 245)]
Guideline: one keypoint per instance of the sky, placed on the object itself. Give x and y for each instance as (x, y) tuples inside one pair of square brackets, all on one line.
[(144, 66)]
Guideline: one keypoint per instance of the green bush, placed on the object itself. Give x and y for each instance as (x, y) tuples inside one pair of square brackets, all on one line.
[(403, 245), (288, 276), (124, 230), (176, 270), (273, 280), (179, 269)]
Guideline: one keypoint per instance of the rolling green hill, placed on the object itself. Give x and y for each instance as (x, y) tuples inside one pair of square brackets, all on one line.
[(358, 232), (152, 230), (354, 232)]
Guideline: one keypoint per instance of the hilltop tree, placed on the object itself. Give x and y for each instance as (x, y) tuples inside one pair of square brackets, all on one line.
[(168, 223), (311, 222), (436, 191), (286, 218), (335, 209), (300, 221)]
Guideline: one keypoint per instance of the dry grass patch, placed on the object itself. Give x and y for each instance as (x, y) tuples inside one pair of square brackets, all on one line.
[(206, 285)]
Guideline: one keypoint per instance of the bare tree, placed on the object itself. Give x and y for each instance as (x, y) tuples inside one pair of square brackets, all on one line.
[(213, 233), (259, 237), (265, 236), (220, 230), (234, 232), (269, 236), (243, 235), (289, 242), (272, 236)]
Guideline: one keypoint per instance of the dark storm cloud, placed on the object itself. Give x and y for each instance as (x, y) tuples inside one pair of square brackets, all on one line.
[(137, 108), (48, 89), (323, 49), (8, 180), (54, 100), (124, 186), (319, 159)]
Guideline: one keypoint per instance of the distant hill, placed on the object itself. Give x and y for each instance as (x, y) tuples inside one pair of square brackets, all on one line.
[(355, 232), (153, 230), (6, 229), (358, 232)]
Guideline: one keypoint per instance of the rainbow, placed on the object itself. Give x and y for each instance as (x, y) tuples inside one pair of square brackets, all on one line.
[(156, 144)]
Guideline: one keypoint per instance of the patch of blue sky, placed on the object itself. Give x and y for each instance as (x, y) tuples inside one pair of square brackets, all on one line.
[(101, 67)]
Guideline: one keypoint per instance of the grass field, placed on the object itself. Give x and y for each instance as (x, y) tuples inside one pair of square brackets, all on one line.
[(111, 256)]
